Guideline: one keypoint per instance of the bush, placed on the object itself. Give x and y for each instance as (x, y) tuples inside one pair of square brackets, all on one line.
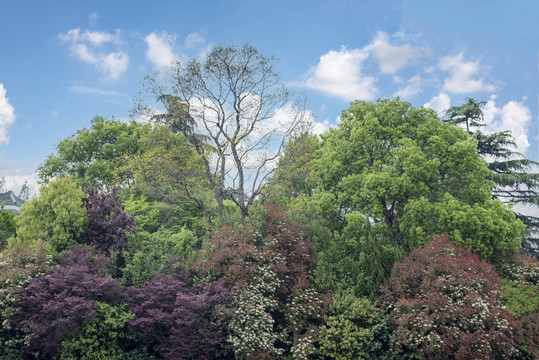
[(444, 302), (180, 321), (19, 265), (56, 306), (355, 329)]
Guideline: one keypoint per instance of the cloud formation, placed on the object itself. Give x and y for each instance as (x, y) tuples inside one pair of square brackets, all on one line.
[(392, 58), (339, 73), (514, 116), (88, 47), (439, 103), (413, 88), (462, 75), (7, 115), (159, 50)]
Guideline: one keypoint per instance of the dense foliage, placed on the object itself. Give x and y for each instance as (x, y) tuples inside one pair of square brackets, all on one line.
[(445, 304), (177, 240)]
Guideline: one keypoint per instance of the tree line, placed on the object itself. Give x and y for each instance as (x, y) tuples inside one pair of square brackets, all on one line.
[(222, 228)]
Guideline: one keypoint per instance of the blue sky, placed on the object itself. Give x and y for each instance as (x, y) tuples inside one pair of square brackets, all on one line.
[(63, 62)]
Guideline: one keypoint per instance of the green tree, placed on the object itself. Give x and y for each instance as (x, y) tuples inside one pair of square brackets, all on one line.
[(234, 111), (8, 226), (92, 156), (387, 160), (509, 169), (294, 169), (56, 215)]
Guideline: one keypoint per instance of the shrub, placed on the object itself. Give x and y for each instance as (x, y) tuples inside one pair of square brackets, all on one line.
[(444, 302), (180, 321), (57, 305), (19, 265), (354, 329)]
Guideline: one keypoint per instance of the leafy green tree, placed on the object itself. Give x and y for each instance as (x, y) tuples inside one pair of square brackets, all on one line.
[(294, 168), (168, 169), (92, 156), (235, 112), (381, 168), (56, 215), (8, 226), (509, 169)]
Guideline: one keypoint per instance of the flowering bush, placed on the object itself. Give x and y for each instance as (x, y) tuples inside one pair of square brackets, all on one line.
[(276, 305), (444, 302), (19, 265)]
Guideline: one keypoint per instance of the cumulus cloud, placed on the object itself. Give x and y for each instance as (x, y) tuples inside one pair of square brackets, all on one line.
[(88, 46), (7, 115), (439, 103), (413, 88), (514, 116), (392, 58), (159, 50), (339, 73), (463, 75)]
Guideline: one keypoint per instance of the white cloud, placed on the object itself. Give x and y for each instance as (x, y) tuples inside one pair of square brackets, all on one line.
[(160, 49), (320, 127), (193, 40), (514, 116), (339, 74), (93, 18), (414, 87), (462, 75), (88, 47), (106, 95), (7, 115), (392, 58), (439, 103)]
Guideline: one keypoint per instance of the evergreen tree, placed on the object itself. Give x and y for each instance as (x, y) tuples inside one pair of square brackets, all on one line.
[(509, 169)]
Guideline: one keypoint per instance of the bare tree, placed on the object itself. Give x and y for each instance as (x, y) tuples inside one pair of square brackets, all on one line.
[(235, 112)]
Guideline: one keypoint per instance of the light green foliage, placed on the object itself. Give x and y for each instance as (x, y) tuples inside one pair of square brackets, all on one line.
[(8, 226), (350, 329), (520, 283), (159, 253), (293, 176), (56, 215), (168, 169), (92, 156), (510, 170), (106, 336), (518, 298), (483, 228), (386, 155)]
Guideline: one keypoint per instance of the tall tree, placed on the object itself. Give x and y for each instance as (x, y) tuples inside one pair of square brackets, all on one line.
[(389, 176), (91, 156), (509, 169), (235, 112)]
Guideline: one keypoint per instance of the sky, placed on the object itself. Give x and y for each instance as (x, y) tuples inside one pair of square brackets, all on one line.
[(64, 62)]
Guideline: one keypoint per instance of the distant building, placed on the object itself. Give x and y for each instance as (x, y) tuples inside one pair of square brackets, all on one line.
[(11, 201)]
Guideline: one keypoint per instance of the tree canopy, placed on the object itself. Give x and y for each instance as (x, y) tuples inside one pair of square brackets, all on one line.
[(234, 111)]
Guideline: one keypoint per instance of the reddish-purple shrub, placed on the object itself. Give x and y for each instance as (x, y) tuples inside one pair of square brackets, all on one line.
[(276, 303), (181, 322), (107, 220), (56, 305), (444, 302)]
